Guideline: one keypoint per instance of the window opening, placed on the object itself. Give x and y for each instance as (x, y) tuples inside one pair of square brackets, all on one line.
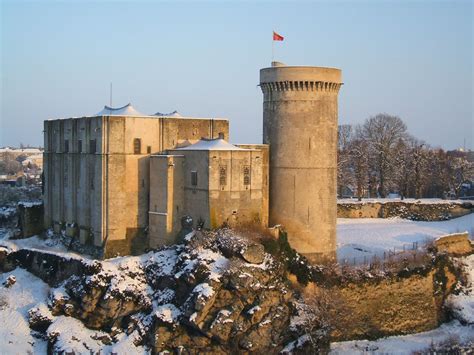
[(194, 178), (223, 175), (92, 146), (137, 146), (246, 175)]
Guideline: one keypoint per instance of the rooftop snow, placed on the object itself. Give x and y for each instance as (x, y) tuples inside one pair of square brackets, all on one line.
[(211, 144), (21, 150), (127, 110), (171, 114)]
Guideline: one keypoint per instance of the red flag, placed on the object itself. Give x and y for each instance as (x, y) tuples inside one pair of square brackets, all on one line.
[(277, 37)]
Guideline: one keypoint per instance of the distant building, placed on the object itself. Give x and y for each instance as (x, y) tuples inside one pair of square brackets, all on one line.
[(14, 153), (36, 159)]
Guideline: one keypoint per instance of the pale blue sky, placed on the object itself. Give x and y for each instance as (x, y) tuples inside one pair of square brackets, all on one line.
[(408, 58)]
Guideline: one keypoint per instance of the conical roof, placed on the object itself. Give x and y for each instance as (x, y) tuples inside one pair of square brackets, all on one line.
[(127, 110), (211, 144)]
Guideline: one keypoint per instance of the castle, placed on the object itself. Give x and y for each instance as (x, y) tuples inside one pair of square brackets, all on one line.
[(123, 181)]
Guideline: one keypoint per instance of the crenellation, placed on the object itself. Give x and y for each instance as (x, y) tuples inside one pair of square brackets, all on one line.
[(281, 86)]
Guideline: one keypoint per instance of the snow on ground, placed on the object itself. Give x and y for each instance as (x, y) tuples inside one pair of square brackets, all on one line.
[(50, 243), (453, 332), (16, 337), (359, 237), (462, 304), (74, 338), (408, 344), (406, 200), (15, 301)]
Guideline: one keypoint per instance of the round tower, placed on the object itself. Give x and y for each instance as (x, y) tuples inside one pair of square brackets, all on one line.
[(300, 124)]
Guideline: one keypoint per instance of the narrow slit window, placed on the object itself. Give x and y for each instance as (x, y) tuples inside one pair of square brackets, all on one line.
[(79, 146), (91, 179), (66, 172), (66, 146), (148, 149), (246, 175), (137, 146), (194, 178), (223, 175)]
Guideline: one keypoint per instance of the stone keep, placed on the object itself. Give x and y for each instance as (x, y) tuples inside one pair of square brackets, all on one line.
[(300, 124)]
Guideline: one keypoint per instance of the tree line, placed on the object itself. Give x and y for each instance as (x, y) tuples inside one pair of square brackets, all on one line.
[(380, 157)]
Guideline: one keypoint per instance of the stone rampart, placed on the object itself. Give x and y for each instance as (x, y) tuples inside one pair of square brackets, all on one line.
[(384, 304), (456, 244), (30, 218), (417, 210)]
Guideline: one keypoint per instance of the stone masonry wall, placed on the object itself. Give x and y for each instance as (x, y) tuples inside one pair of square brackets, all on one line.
[(414, 210), (30, 218)]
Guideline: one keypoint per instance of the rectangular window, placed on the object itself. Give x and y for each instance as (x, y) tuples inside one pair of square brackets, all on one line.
[(223, 175), (137, 146), (91, 179), (246, 175), (66, 146), (92, 146), (148, 149), (194, 178), (79, 146)]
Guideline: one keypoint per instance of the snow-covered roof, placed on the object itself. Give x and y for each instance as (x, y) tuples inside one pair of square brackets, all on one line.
[(127, 110), (171, 114), (20, 150), (211, 144)]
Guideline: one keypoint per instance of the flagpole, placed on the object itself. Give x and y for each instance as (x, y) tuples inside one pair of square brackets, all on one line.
[(273, 50)]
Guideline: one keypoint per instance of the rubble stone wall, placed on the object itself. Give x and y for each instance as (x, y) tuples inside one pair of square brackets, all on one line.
[(406, 303), (30, 219), (410, 210), (454, 244)]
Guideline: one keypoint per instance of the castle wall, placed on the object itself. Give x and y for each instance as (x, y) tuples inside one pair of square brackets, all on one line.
[(73, 187), (236, 203), (408, 209), (166, 199), (300, 124), (105, 194), (261, 171)]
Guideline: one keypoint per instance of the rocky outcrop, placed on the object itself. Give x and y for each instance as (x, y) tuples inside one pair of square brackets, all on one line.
[(221, 293), (216, 293)]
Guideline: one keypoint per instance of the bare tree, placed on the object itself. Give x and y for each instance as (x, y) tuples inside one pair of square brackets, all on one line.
[(403, 161), (344, 173), (359, 161), (8, 165), (382, 133)]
